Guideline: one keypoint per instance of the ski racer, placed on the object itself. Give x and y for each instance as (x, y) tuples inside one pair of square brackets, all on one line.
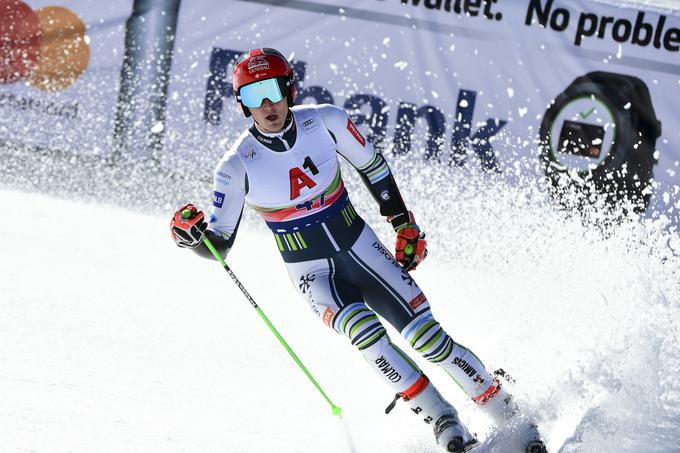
[(286, 167)]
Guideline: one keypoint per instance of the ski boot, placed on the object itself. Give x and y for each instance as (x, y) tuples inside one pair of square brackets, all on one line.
[(449, 432), (520, 437), (518, 432), (452, 435)]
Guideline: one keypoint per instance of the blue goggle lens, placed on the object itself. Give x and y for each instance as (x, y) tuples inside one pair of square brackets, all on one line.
[(253, 94)]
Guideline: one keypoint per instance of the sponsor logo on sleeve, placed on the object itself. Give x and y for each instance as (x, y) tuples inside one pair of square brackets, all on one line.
[(355, 132), (218, 199), (224, 175), (328, 316), (251, 155), (309, 124), (418, 301), (222, 178)]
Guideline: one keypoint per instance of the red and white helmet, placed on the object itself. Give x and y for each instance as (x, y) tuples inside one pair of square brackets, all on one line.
[(251, 70)]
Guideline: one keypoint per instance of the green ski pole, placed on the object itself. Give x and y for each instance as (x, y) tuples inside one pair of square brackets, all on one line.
[(336, 410)]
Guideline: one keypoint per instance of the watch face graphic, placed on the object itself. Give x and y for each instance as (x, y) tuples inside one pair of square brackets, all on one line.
[(581, 139), (598, 137), (582, 135)]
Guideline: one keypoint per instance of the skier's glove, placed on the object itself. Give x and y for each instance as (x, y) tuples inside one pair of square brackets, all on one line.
[(188, 226), (411, 247)]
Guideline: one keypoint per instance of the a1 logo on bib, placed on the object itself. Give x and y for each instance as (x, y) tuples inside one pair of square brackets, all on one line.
[(299, 179)]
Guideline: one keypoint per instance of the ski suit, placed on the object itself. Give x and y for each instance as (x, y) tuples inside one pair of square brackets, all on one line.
[(336, 262)]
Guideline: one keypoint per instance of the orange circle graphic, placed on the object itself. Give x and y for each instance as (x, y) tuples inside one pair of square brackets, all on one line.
[(64, 54), (48, 46)]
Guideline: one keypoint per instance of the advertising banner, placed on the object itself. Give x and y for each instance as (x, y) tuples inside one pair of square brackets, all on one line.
[(60, 63), (544, 86)]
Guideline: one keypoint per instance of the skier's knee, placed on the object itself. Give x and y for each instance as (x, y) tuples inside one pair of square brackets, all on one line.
[(427, 337), (360, 324)]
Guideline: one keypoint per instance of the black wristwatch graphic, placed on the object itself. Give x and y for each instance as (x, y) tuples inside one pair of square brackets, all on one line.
[(599, 136)]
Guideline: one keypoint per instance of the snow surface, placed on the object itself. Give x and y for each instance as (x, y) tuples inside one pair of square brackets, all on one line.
[(115, 340)]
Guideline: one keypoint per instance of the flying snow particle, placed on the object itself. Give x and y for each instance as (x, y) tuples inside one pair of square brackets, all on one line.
[(627, 106), (401, 65), (511, 92), (157, 128), (463, 103)]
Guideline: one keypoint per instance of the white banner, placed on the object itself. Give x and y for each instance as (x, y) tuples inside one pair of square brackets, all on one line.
[(60, 73), (461, 82)]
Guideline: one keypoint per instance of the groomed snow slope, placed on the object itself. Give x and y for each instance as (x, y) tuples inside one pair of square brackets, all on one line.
[(115, 340)]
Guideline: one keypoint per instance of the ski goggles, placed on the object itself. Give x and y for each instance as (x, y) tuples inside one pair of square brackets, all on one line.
[(253, 94)]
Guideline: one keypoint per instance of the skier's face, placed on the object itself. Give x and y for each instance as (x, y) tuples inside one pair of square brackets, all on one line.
[(270, 117)]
